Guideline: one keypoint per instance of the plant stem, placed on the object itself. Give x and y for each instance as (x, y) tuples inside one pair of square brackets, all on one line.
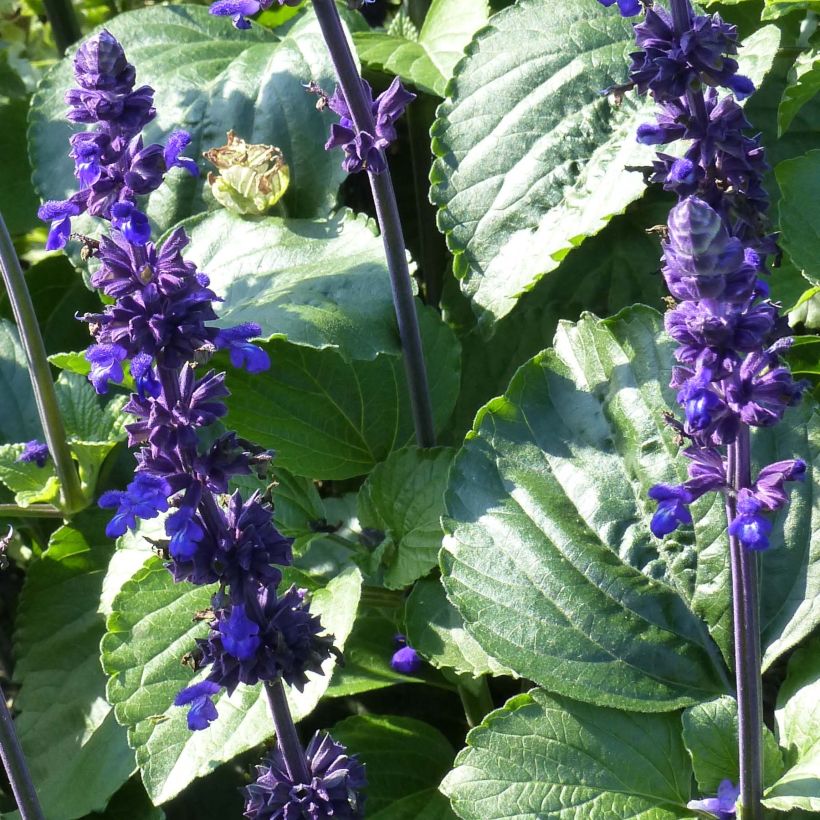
[(40, 372), (475, 698), (286, 737), (387, 213), (32, 511), (16, 766), (745, 611), (64, 23)]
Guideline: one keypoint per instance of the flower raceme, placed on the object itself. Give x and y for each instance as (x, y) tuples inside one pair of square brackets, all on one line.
[(730, 336), (157, 325)]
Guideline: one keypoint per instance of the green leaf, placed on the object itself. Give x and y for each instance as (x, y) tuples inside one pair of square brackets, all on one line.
[(428, 59), (314, 283), (405, 761), (544, 756), (436, 630), (58, 293), (149, 630), (297, 506), (579, 596), (329, 417), (29, 483), (18, 413), (77, 752), (131, 803), (367, 658), (710, 732), (404, 498), (18, 202), (799, 181), (511, 215), (798, 731), (208, 79), (804, 84)]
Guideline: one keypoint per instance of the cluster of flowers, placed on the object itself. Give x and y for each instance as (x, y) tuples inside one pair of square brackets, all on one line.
[(729, 372), (156, 320)]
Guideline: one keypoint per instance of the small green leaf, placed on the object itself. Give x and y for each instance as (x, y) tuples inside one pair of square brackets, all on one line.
[(330, 417), (29, 483), (798, 731), (542, 756), (297, 506), (427, 59), (313, 282), (78, 753), (710, 732), (804, 84), (405, 761), (436, 630), (18, 413), (149, 629), (404, 498), (799, 181)]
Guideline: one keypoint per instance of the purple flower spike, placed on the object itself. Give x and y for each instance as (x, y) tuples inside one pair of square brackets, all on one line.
[(336, 780), (34, 452), (722, 806), (201, 711)]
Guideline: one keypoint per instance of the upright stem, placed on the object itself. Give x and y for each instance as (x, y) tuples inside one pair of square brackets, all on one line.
[(40, 373), (16, 766), (64, 23), (286, 737), (387, 213), (745, 611)]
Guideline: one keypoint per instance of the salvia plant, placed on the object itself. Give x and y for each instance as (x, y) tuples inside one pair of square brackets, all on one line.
[(383, 378)]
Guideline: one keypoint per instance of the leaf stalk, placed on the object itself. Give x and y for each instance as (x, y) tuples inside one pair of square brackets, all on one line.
[(387, 212), (40, 372), (16, 767)]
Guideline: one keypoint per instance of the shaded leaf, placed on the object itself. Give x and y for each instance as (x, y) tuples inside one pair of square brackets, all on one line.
[(18, 413), (805, 83), (405, 760), (799, 181), (18, 202)]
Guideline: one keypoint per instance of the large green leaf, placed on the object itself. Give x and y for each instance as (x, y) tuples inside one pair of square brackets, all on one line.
[(436, 630), (799, 181), (798, 730), (542, 756), (78, 753), (531, 157), (330, 417), (710, 732), (314, 283), (405, 761), (404, 498), (579, 596), (149, 630), (428, 59), (18, 414), (208, 78)]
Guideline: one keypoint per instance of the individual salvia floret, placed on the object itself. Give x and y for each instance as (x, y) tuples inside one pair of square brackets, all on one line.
[(334, 790), (34, 452), (365, 151), (722, 806), (405, 659), (729, 334), (112, 164)]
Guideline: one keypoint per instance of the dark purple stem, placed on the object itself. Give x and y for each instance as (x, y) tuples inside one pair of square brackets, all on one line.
[(286, 737), (745, 611), (16, 767), (387, 213)]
